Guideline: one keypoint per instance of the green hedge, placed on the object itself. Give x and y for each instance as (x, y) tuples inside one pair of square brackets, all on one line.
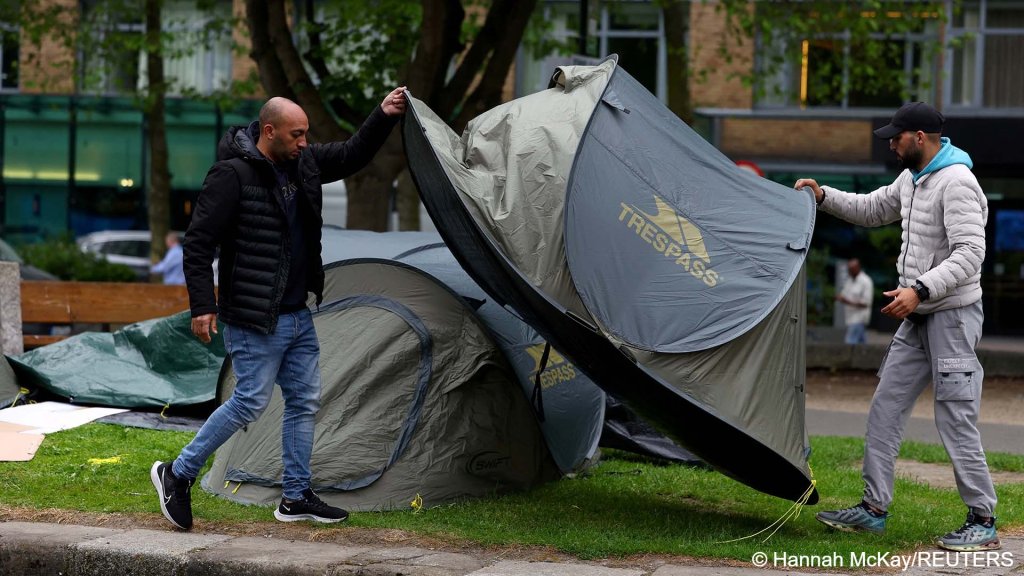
[(64, 259)]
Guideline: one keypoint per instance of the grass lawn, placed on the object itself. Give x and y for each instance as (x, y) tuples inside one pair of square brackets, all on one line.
[(623, 506)]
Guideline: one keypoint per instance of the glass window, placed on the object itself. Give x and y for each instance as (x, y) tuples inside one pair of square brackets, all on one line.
[(633, 30), (199, 57), (201, 60), (1003, 85), (9, 42), (987, 38), (830, 70), (110, 52), (622, 16)]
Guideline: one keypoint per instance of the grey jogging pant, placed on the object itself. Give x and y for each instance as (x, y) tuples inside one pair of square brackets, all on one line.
[(941, 349)]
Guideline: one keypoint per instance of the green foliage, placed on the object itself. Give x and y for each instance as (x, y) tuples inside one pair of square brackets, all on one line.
[(362, 43), (539, 40), (623, 506), (109, 42), (855, 46), (64, 259)]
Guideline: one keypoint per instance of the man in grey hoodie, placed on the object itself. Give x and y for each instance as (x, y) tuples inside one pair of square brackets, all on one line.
[(943, 212)]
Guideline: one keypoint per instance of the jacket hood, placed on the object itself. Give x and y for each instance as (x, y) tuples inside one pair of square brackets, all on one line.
[(948, 155), (239, 142)]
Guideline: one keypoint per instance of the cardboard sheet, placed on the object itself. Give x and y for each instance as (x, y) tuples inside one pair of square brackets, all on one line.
[(16, 444), (47, 417)]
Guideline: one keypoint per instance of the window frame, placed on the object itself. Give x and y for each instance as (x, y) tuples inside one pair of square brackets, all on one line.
[(980, 34), (7, 28)]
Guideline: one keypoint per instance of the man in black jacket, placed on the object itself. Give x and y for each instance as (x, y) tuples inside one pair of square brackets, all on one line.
[(261, 205)]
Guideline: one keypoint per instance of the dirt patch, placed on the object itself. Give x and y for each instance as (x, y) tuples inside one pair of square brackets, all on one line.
[(1002, 397), (941, 475)]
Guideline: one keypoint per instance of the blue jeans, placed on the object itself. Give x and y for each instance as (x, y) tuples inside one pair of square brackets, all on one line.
[(855, 334), (291, 356)]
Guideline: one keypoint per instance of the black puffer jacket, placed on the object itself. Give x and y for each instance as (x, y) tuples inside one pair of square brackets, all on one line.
[(241, 210)]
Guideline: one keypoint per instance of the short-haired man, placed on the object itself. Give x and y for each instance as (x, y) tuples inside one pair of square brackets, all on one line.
[(943, 212)]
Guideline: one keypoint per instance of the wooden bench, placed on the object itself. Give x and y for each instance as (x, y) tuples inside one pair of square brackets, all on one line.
[(106, 303)]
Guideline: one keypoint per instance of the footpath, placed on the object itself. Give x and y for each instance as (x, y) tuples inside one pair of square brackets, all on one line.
[(32, 548), (74, 549)]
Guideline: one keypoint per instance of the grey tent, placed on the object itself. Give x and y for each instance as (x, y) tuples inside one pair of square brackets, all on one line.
[(570, 406), (670, 276), (416, 399), (10, 391)]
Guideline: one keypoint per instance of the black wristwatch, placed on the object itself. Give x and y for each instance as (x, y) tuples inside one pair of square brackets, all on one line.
[(819, 202), (921, 290)]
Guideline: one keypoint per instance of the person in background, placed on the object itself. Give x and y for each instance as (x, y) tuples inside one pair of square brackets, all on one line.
[(172, 266), (857, 295), (943, 212)]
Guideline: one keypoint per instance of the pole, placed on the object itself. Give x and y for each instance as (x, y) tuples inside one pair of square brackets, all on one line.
[(584, 26)]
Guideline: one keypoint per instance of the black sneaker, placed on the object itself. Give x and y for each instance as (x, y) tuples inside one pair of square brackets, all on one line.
[(175, 495), (311, 507)]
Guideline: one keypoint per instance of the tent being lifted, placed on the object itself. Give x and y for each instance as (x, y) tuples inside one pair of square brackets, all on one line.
[(671, 277)]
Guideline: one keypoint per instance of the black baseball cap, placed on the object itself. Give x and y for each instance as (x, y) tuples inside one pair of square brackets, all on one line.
[(913, 117)]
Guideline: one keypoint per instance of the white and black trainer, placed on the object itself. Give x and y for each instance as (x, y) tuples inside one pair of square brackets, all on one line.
[(175, 494), (311, 507)]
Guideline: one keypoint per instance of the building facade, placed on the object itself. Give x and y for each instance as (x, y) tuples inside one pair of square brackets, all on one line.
[(964, 61), (72, 139), (73, 156)]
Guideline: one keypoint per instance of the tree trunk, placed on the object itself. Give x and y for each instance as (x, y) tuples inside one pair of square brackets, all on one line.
[(484, 67), (370, 190), (159, 173), (677, 22), (408, 202)]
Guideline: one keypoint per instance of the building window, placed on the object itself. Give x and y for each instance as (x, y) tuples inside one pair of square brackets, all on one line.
[(8, 57), (825, 69), (203, 45), (198, 60), (986, 39), (633, 30), (110, 51)]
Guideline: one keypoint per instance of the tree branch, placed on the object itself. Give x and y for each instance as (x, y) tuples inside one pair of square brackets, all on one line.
[(272, 74), (316, 59), (493, 32), (488, 92), (306, 93), (438, 44)]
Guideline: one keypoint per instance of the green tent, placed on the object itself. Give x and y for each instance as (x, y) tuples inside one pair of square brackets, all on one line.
[(154, 363), (416, 400)]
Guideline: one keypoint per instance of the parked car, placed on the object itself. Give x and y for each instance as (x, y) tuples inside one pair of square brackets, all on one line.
[(8, 254), (128, 247)]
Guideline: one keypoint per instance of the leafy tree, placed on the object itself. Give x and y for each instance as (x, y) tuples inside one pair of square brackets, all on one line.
[(857, 45), (102, 43), (340, 57)]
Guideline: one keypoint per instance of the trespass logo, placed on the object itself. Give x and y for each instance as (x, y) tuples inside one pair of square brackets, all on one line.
[(673, 236), (557, 369)]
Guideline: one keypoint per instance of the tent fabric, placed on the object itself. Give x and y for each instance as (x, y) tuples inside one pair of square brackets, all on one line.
[(154, 363), (572, 404), (416, 399), (9, 388), (684, 235), (718, 385), (624, 430)]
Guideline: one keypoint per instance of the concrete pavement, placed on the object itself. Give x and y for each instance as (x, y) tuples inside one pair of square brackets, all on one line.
[(1000, 355), (32, 548)]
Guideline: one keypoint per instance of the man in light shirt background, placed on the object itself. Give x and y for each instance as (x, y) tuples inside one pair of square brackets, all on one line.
[(856, 296)]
